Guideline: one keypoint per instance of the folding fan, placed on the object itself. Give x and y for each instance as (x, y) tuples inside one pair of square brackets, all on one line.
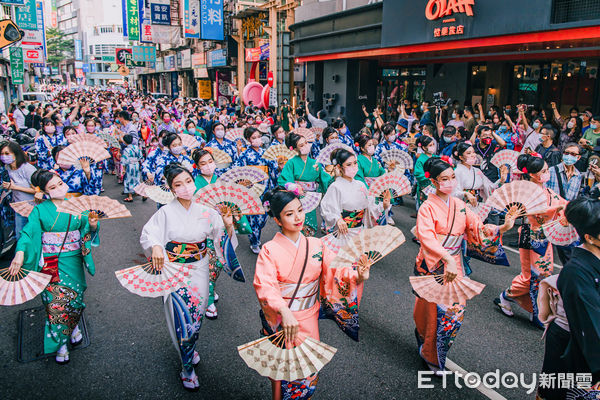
[(370, 179), (86, 137), (222, 159), (277, 152), (482, 210), (376, 243), (263, 127), (559, 234), (189, 141), (82, 150), (306, 134), (110, 140), (324, 156), (427, 190), (335, 241), (269, 357), (146, 281), (22, 287), (105, 207), (310, 201), (506, 157), (159, 194), (249, 177), (317, 131), (527, 197), (141, 189), (23, 208), (230, 197), (400, 157), (396, 183), (435, 289), (235, 134)]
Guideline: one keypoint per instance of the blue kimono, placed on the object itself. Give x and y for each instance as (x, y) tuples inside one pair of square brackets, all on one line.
[(228, 147), (130, 159), (78, 182), (44, 152), (167, 158)]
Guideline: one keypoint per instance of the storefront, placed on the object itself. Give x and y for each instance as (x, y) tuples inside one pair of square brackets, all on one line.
[(533, 52)]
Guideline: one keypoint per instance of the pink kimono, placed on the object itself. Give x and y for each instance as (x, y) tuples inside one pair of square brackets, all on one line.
[(278, 270), (437, 324)]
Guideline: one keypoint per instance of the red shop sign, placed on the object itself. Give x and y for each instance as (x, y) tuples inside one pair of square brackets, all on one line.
[(442, 8)]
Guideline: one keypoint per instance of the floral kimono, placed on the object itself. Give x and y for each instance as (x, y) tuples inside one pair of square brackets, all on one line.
[(311, 177), (227, 146), (166, 158), (43, 236), (441, 228), (43, 147), (78, 183), (332, 291), (536, 254), (191, 236), (131, 160), (254, 158)]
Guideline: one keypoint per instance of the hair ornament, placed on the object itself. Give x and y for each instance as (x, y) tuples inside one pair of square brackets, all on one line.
[(427, 174), (267, 206), (525, 170)]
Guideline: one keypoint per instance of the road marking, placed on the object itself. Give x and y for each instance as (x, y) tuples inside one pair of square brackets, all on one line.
[(556, 266), (487, 392)]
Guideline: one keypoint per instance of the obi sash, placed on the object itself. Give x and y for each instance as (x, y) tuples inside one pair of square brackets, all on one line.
[(353, 219), (308, 186), (186, 252), (452, 243), (73, 195), (51, 241), (306, 296), (263, 168)]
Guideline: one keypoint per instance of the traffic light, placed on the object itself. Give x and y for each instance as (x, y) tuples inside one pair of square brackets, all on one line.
[(9, 33)]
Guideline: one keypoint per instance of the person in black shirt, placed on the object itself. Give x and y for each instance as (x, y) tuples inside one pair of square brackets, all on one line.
[(33, 119), (486, 145), (549, 152)]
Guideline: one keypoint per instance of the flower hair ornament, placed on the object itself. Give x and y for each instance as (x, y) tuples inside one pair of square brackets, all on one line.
[(267, 206), (334, 162), (447, 159), (292, 187), (427, 174), (525, 170), (210, 150)]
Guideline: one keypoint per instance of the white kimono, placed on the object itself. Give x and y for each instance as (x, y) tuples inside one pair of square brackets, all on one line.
[(471, 178)]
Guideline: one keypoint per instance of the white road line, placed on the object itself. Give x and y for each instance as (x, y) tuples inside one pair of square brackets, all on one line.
[(487, 392), (556, 266)]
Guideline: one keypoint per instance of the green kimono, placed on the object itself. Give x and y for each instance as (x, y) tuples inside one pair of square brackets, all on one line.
[(43, 236), (368, 169), (312, 177), (422, 181)]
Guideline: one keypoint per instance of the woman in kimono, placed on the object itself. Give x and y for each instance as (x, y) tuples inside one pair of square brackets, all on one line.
[(303, 171), (347, 205), (328, 136), (219, 142), (253, 157), (428, 146), (167, 124), (442, 222), (64, 242), (278, 133), (132, 155), (388, 141), (174, 152), (368, 166), (208, 172), (535, 251), (46, 141), (276, 279), (85, 181), (184, 231)]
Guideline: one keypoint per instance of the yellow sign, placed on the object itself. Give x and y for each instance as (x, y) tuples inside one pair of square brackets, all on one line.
[(123, 70), (204, 89)]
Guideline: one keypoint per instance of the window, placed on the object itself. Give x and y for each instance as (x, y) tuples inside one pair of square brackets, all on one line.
[(106, 29), (574, 10)]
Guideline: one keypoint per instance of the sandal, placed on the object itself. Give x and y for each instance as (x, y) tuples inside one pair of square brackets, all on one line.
[(191, 384), (196, 359), (62, 356), (76, 336), (128, 200)]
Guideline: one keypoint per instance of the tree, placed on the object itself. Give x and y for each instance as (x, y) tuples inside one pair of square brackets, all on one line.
[(58, 47)]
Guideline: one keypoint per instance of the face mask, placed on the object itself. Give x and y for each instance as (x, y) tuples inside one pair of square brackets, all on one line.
[(536, 125), (192, 131), (570, 125), (75, 123), (471, 161), (569, 159), (431, 149), (66, 167), (594, 126), (476, 116), (50, 129), (351, 172), (177, 150), (545, 177), (486, 141), (208, 169), (59, 193), (422, 108), (397, 130), (447, 187), (453, 115), (7, 159), (186, 192), (280, 136), (370, 150), (502, 129), (368, 125), (336, 140), (166, 120), (220, 133), (256, 142), (447, 139), (391, 138), (489, 114), (304, 150)]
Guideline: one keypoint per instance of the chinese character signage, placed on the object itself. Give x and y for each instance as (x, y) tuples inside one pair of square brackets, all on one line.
[(16, 65), (253, 54), (78, 52), (122, 55), (145, 22), (133, 20), (169, 63), (27, 16), (212, 19), (216, 58), (144, 53), (191, 19), (160, 14)]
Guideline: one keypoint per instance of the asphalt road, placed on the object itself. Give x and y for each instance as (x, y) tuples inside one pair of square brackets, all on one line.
[(131, 354)]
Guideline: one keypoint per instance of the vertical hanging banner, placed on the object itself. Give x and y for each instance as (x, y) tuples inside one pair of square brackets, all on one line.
[(124, 16), (133, 20), (212, 19), (16, 65), (27, 16), (191, 19), (145, 22), (160, 12)]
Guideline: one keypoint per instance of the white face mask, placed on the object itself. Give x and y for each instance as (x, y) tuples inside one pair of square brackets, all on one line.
[(570, 125), (59, 192), (280, 136), (186, 192), (351, 172), (256, 142), (208, 169), (220, 133), (370, 150), (391, 138), (304, 150)]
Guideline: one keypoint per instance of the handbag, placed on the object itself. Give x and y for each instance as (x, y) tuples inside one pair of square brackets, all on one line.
[(51, 262), (267, 330)]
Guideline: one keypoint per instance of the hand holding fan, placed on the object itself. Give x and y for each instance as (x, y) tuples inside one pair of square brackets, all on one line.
[(104, 207), (86, 137), (269, 357), (317, 131), (159, 194), (522, 197), (249, 177), (324, 156), (307, 134), (506, 157), (23, 208), (559, 234), (222, 159), (436, 289), (109, 140), (189, 141), (21, 287), (398, 158), (235, 134), (396, 183), (230, 199), (73, 153), (279, 152), (147, 281)]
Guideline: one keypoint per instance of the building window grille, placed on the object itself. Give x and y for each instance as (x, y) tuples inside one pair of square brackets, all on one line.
[(574, 10)]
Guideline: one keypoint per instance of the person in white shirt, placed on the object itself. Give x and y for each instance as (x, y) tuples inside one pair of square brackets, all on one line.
[(317, 122), (19, 115)]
